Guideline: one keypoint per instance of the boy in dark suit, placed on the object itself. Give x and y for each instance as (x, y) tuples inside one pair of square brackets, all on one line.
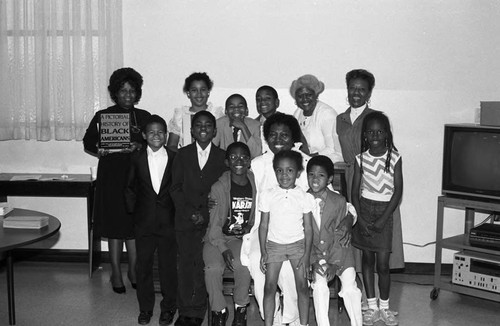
[(147, 196), (196, 167)]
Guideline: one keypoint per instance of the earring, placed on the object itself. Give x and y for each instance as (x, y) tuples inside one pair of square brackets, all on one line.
[(386, 143), (368, 102)]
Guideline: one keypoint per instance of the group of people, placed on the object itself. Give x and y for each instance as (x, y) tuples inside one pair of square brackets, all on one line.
[(215, 189)]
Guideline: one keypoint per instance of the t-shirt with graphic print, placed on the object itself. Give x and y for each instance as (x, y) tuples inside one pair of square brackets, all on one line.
[(241, 204)]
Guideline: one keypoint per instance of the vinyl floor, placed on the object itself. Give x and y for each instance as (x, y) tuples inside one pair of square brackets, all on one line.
[(48, 293)]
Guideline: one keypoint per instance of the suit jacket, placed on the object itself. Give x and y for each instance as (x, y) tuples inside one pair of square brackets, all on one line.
[(153, 213), (191, 186), (326, 238), (224, 136)]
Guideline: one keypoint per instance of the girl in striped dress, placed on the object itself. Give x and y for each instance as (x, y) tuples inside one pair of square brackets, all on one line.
[(376, 192)]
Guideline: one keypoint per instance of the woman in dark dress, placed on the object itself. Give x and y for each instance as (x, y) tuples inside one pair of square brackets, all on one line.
[(110, 217)]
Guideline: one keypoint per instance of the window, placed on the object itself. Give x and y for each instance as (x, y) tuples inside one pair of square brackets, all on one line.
[(56, 57)]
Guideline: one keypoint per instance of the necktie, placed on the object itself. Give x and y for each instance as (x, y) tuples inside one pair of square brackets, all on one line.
[(317, 212), (235, 133), (203, 159)]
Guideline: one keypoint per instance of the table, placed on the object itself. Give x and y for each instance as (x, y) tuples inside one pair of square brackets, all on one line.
[(53, 185), (15, 238), (461, 242)]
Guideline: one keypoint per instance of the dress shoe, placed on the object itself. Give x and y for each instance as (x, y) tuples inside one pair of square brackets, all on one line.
[(134, 284), (167, 317), (240, 317), (144, 317), (119, 289), (219, 318), (195, 321), (182, 321)]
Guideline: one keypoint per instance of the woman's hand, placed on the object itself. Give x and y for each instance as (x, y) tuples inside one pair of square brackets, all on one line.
[(133, 147), (102, 152)]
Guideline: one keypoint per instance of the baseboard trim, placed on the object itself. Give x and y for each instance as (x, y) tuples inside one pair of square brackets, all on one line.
[(58, 255), (81, 256)]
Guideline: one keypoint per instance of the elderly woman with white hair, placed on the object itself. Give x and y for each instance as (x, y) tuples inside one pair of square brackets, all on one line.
[(317, 120)]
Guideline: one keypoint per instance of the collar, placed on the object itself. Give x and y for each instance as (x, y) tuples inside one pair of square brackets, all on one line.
[(358, 111), (160, 152), (322, 196), (199, 149)]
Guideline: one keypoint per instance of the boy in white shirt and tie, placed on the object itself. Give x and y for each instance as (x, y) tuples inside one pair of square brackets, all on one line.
[(148, 198)]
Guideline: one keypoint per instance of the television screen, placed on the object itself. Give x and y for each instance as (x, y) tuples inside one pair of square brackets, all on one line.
[(471, 164)]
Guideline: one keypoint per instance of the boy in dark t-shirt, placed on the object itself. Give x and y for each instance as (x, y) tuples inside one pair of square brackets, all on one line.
[(230, 219)]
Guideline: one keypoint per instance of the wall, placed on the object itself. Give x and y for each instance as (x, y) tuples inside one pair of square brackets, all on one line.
[(434, 61)]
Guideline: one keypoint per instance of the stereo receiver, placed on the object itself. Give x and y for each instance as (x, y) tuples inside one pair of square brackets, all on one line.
[(477, 270)]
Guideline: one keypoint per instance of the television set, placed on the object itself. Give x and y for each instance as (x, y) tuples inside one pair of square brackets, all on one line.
[(471, 161)]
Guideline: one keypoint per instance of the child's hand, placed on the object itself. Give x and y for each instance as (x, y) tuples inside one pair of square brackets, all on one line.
[(212, 203), (365, 227), (228, 259), (263, 262), (316, 269), (346, 224), (329, 271), (377, 226), (304, 263), (237, 123), (197, 219)]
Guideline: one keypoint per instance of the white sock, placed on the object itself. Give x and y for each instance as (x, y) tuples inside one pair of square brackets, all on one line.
[(372, 303), (223, 311), (384, 304)]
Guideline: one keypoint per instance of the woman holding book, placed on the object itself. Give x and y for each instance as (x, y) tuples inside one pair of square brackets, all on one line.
[(110, 217)]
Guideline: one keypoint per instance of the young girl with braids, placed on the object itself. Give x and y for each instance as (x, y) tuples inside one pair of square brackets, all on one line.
[(376, 192)]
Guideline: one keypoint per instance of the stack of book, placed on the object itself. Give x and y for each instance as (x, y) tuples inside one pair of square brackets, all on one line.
[(4, 210), (25, 222)]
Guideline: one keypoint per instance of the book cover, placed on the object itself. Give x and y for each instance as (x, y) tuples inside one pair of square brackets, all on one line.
[(114, 131)]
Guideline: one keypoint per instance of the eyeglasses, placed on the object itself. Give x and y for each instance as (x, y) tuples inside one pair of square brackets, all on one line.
[(235, 157)]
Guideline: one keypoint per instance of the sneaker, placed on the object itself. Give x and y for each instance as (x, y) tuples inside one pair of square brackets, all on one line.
[(370, 317), (240, 317), (388, 317), (364, 306)]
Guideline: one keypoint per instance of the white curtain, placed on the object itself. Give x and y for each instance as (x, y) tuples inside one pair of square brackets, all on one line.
[(56, 57)]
